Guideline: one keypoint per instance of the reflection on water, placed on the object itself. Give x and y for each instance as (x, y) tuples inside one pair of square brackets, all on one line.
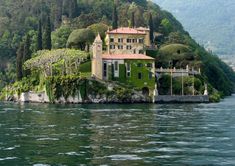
[(139, 134)]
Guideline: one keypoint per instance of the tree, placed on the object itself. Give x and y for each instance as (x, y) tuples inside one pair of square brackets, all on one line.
[(19, 62), (132, 19), (151, 28), (115, 18), (26, 53), (47, 35), (58, 13), (99, 28), (39, 37), (73, 9), (60, 37), (80, 38), (167, 26)]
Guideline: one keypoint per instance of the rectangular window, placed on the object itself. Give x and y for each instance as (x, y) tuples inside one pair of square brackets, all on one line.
[(150, 75), (139, 76), (128, 47), (149, 65), (139, 65), (128, 70), (111, 40), (128, 40), (116, 65), (105, 70), (112, 46), (141, 40), (120, 40), (141, 51), (120, 47)]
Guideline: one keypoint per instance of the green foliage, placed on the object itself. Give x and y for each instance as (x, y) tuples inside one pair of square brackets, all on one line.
[(174, 49), (25, 85), (167, 27), (60, 37), (80, 38), (47, 35), (164, 85), (73, 8), (133, 80), (99, 28), (64, 86), (54, 62), (115, 18), (85, 67), (151, 27), (19, 62), (39, 36), (133, 20)]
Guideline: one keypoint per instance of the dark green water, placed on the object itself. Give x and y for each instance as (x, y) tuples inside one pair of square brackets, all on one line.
[(197, 134)]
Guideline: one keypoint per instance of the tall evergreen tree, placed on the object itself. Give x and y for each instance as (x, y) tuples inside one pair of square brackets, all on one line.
[(39, 37), (27, 53), (151, 27), (73, 8), (58, 13), (47, 35), (133, 19), (115, 18), (19, 62)]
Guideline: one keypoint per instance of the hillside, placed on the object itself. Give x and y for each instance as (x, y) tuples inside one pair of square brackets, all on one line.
[(19, 22), (210, 22)]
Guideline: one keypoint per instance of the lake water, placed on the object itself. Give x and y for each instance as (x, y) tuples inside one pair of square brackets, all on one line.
[(125, 135)]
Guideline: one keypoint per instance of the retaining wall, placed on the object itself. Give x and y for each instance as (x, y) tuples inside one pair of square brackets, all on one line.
[(181, 99)]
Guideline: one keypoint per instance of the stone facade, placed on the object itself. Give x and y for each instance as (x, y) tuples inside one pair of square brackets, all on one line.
[(124, 60), (127, 40)]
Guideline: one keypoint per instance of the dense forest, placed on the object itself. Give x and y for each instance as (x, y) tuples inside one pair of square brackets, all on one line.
[(32, 25)]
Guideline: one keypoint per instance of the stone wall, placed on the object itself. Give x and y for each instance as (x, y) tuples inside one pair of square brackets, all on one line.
[(181, 99), (42, 97)]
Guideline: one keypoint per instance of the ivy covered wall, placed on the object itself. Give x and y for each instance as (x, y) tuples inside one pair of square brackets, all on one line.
[(137, 67)]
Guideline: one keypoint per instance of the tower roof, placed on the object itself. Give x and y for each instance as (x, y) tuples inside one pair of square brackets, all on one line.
[(98, 38)]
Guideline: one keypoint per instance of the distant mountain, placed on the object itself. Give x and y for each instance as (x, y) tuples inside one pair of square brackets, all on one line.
[(210, 22)]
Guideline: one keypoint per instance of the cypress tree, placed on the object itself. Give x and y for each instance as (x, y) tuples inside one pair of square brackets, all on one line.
[(58, 13), (19, 62), (115, 18), (27, 53), (39, 37), (73, 9), (151, 27), (132, 19), (47, 35)]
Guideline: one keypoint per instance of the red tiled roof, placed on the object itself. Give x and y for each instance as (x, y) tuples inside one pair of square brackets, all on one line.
[(142, 29), (126, 56), (125, 30)]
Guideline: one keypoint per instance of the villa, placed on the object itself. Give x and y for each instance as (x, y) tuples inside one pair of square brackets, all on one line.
[(125, 61)]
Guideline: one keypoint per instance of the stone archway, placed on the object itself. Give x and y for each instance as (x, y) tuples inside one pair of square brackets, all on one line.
[(145, 91)]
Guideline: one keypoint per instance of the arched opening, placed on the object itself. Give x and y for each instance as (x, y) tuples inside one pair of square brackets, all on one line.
[(145, 91)]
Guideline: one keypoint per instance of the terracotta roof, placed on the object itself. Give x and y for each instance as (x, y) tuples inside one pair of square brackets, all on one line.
[(127, 56), (126, 31), (142, 29)]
